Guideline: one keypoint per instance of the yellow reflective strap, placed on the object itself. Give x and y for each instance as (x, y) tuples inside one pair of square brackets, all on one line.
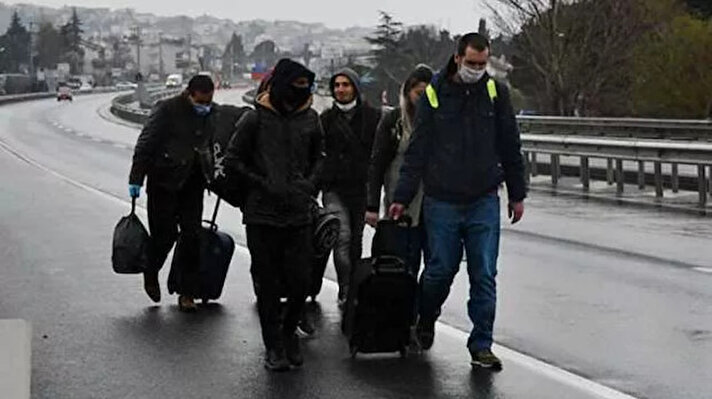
[(432, 96), (492, 89)]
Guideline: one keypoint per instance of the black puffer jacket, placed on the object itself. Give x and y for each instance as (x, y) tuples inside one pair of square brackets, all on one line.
[(171, 142), (280, 158), (348, 145)]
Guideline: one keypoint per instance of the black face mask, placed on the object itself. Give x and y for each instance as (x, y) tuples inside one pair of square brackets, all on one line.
[(288, 98), (297, 96)]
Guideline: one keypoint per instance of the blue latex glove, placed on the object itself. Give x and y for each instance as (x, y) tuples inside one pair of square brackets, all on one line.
[(134, 190)]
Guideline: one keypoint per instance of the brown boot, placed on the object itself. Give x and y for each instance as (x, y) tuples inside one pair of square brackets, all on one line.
[(186, 304), (150, 285)]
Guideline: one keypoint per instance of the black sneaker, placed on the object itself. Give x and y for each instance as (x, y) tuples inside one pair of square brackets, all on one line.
[(305, 328), (341, 301), (276, 360), (294, 351), (486, 359), (425, 332)]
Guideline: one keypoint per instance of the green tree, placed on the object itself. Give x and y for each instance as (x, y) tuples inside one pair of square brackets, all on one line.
[(265, 53), (701, 7), (72, 39), (49, 46), (391, 65), (15, 44), (233, 55), (672, 70)]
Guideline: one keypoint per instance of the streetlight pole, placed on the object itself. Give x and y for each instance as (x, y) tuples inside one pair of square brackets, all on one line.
[(32, 62)]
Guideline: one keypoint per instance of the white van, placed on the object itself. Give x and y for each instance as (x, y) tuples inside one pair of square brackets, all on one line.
[(174, 81)]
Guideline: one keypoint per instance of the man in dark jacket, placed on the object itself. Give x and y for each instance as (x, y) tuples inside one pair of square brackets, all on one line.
[(349, 129), (174, 151), (278, 149), (465, 144)]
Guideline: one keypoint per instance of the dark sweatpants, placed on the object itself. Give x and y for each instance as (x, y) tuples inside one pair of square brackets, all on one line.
[(281, 261), (169, 211)]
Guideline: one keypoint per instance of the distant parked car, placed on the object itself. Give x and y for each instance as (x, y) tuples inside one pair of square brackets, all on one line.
[(64, 93), (126, 86)]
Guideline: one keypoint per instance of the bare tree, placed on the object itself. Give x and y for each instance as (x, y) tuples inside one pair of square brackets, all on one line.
[(573, 54)]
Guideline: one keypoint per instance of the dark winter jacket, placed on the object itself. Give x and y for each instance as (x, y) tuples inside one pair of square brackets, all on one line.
[(173, 141), (280, 158), (465, 148)]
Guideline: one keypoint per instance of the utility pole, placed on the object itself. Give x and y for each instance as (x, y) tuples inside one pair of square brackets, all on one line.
[(161, 69), (190, 52)]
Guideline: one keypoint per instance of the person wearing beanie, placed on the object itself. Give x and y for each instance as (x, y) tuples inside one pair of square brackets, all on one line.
[(277, 149), (349, 128), (173, 154), (392, 139)]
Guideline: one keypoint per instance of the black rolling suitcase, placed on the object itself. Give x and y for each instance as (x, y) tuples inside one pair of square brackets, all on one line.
[(216, 250), (381, 303)]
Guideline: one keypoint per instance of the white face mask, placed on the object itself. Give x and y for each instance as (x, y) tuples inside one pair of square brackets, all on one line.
[(346, 107), (471, 75)]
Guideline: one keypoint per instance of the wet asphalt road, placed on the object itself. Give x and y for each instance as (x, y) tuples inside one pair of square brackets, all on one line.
[(630, 311)]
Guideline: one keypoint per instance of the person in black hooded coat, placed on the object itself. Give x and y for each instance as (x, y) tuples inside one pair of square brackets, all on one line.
[(277, 149)]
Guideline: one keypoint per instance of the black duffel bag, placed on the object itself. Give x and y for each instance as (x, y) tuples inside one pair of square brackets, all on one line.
[(129, 253)]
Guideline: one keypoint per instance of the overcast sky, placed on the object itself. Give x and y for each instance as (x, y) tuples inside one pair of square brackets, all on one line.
[(456, 15)]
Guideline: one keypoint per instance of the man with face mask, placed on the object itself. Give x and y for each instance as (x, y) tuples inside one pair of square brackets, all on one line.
[(278, 149), (173, 151), (465, 144), (349, 128)]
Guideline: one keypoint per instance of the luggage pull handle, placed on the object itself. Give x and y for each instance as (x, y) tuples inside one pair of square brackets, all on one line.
[(404, 220), (212, 222), (133, 205)]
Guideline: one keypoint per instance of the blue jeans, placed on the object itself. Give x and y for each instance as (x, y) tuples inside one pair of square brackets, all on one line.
[(476, 227)]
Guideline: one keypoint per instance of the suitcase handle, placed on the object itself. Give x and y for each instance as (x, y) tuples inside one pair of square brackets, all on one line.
[(391, 261), (404, 220), (211, 222), (133, 205)]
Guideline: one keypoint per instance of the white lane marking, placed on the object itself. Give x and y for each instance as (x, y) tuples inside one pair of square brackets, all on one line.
[(68, 130), (707, 270), (535, 365), (96, 139), (118, 145)]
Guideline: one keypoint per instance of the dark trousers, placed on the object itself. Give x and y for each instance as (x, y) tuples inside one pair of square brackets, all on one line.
[(281, 263), (351, 212), (170, 213)]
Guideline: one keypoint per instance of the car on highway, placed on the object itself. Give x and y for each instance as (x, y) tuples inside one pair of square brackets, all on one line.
[(174, 81), (125, 86), (64, 93)]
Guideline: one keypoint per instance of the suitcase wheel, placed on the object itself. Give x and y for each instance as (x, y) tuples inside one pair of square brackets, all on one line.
[(403, 353), (354, 352), (205, 301)]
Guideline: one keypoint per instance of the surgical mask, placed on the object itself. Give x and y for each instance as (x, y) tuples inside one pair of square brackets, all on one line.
[(202, 109), (471, 75), (346, 107)]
